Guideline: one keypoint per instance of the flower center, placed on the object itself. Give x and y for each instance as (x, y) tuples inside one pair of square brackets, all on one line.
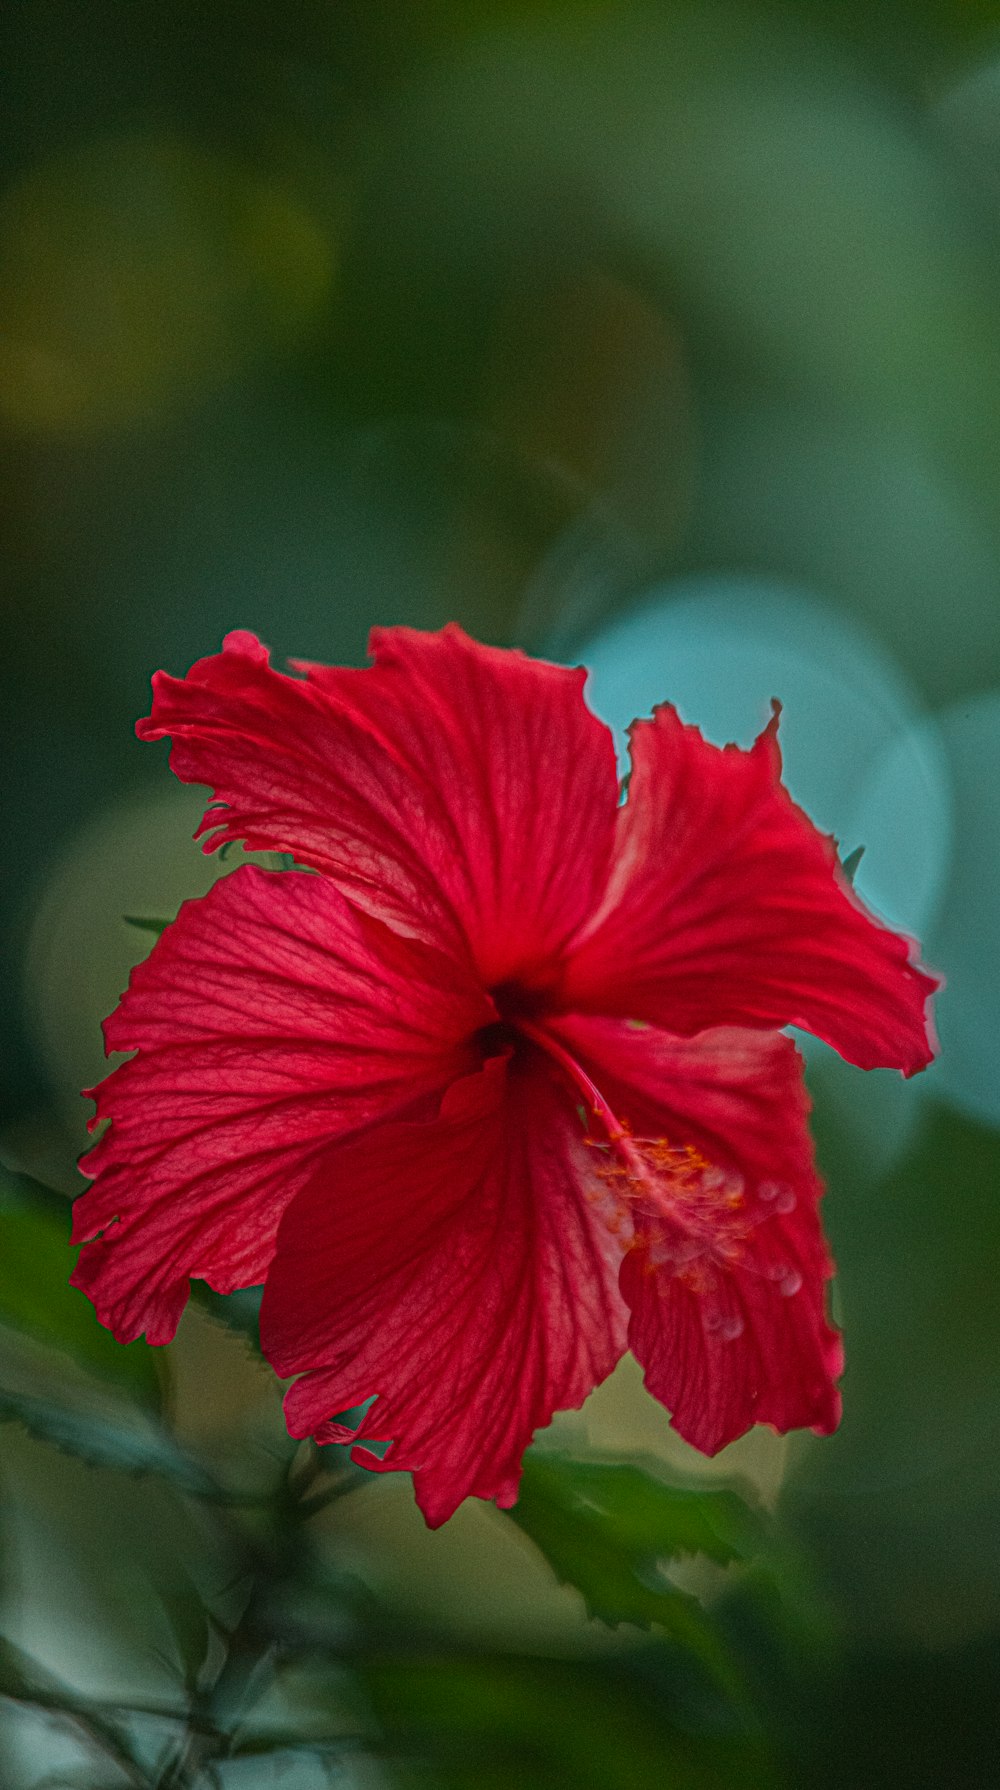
[(517, 1007), (493, 1039), (516, 1002), (692, 1217), (687, 1211)]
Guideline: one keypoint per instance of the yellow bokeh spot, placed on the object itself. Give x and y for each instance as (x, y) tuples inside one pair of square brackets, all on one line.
[(137, 272)]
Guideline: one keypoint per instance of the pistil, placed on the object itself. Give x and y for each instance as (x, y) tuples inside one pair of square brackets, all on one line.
[(673, 1182)]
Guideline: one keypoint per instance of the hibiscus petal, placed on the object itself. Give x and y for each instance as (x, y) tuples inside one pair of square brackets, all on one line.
[(727, 907), (728, 1299), (270, 1018), (463, 793), (456, 1269)]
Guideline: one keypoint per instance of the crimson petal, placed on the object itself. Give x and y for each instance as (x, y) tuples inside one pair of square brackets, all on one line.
[(727, 907), (270, 1018), (728, 1298), (464, 794), (455, 1269)]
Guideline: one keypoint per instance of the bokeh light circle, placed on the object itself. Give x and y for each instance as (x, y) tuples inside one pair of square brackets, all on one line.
[(964, 942)]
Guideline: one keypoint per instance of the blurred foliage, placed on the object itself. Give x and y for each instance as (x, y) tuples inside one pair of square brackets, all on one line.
[(535, 314), (142, 270), (36, 1297), (489, 1721), (311, 1662)]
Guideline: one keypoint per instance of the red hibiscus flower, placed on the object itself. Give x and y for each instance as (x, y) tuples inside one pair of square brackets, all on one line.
[(501, 1090)]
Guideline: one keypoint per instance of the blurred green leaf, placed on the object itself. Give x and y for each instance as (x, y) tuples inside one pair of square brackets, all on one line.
[(184, 1608), (36, 1260), (18, 1674), (25, 1680), (155, 926), (103, 1439), (489, 1722), (311, 1704)]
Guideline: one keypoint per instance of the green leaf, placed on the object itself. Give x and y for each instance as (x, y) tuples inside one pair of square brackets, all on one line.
[(36, 1259), (25, 1680), (145, 924), (18, 1673), (605, 1524), (608, 1527), (104, 1438), (184, 1608), (308, 1705), (849, 865)]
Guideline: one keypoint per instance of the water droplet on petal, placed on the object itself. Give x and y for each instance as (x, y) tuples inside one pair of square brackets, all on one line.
[(727, 1326), (661, 1255)]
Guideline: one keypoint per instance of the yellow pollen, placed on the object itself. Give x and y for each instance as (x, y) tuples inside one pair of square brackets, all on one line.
[(702, 1207)]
